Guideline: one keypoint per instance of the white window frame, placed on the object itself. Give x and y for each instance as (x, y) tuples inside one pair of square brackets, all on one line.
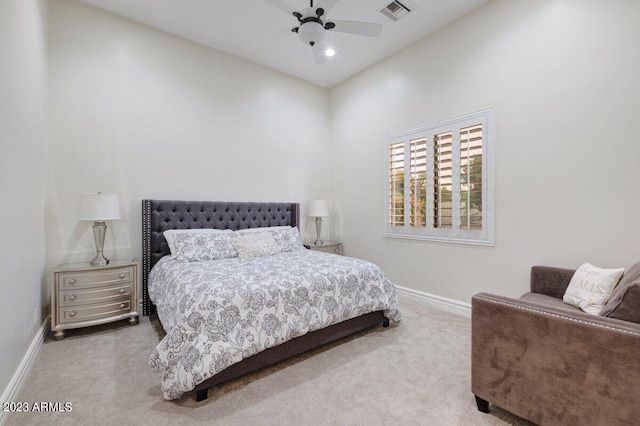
[(484, 236)]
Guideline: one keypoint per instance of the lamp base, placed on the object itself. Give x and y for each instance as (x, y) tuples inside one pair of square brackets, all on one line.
[(318, 240), (99, 260), (99, 231)]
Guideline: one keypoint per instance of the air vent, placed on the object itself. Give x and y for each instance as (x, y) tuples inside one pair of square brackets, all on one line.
[(397, 9)]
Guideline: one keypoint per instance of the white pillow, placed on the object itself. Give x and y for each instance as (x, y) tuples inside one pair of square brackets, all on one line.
[(591, 287), (265, 229), (286, 237), (170, 235), (255, 244)]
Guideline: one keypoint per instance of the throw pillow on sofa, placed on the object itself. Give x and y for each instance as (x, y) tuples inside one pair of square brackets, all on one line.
[(591, 287), (624, 303)]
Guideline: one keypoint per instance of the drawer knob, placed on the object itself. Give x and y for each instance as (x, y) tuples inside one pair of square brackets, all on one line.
[(122, 290), (72, 297), (72, 314), (123, 305), (122, 276), (72, 281)]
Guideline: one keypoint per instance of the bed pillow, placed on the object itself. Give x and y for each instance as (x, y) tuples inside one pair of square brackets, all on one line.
[(287, 238), (265, 229), (296, 242), (591, 287), (170, 235), (196, 247), (255, 244)]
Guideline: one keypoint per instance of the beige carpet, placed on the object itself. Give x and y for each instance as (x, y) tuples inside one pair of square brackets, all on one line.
[(417, 373)]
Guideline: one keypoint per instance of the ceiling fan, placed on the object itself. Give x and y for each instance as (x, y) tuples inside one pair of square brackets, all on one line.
[(312, 25)]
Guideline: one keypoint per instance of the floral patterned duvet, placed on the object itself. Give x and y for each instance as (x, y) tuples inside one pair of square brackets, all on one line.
[(218, 312)]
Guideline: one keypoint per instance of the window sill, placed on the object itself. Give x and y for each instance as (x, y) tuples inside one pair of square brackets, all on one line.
[(485, 243)]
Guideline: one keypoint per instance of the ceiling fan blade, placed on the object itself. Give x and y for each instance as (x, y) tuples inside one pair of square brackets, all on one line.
[(355, 27), (327, 5), (318, 53), (283, 6)]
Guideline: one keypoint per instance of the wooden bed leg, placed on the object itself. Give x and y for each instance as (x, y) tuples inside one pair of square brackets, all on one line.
[(202, 394), (483, 404), (385, 323)]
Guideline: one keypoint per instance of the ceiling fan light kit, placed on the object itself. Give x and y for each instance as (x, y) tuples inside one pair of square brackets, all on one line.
[(312, 29), (311, 33)]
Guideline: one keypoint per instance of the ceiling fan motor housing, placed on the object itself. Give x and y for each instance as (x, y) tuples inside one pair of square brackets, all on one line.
[(311, 33)]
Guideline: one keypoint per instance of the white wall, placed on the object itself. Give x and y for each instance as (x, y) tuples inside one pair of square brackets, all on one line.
[(22, 177), (144, 114), (563, 79)]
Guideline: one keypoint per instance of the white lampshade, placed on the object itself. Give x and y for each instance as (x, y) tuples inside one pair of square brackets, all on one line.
[(99, 207), (318, 208)]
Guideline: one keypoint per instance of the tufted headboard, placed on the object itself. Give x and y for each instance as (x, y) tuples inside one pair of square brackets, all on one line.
[(160, 215)]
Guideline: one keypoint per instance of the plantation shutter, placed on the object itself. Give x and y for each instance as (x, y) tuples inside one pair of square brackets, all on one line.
[(418, 182), (442, 180), (471, 177), (396, 184)]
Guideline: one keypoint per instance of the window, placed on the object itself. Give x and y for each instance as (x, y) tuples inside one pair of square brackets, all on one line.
[(449, 181)]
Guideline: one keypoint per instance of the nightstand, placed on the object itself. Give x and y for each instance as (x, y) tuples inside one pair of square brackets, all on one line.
[(83, 295), (328, 247)]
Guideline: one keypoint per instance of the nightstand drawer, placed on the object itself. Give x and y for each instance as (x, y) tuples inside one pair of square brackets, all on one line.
[(93, 312), (95, 295), (73, 280)]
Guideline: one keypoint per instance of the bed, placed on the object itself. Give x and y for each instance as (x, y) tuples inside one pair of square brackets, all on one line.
[(228, 317)]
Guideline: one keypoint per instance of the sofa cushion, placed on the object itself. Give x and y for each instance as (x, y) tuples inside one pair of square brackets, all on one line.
[(629, 282), (591, 287), (545, 300), (629, 308), (631, 274)]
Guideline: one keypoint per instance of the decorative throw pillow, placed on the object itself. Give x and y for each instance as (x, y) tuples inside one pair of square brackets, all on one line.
[(254, 245), (591, 287), (623, 303), (170, 234), (628, 309), (265, 229), (287, 238)]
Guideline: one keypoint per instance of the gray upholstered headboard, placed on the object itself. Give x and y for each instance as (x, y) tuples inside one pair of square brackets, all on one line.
[(160, 215)]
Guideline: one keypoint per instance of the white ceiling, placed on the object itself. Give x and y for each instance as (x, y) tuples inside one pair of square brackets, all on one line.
[(260, 33)]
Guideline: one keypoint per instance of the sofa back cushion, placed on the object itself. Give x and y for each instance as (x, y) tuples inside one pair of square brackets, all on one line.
[(624, 303)]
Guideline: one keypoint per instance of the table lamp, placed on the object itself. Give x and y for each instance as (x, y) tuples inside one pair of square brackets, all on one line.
[(99, 208), (318, 209)]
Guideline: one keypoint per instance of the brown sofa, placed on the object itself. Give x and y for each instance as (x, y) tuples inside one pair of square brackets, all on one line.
[(551, 363)]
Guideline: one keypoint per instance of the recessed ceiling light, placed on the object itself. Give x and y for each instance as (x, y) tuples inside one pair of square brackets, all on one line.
[(329, 52)]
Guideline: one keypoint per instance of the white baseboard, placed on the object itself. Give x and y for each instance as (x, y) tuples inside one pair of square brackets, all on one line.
[(12, 390), (449, 305)]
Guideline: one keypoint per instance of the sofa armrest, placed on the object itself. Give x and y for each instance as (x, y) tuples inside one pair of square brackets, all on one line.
[(550, 281), (553, 366)]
